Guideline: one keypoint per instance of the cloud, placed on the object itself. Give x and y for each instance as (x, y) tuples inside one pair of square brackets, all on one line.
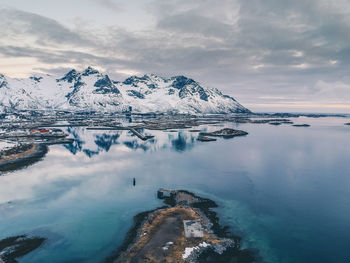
[(111, 5), (195, 24), (248, 49), (24, 26)]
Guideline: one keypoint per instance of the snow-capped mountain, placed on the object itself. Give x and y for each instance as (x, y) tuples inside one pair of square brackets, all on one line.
[(90, 90)]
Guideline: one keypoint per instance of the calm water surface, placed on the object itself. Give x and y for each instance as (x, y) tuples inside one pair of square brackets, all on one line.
[(286, 190)]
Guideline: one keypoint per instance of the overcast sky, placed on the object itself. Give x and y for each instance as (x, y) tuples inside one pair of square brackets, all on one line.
[(271, 55)]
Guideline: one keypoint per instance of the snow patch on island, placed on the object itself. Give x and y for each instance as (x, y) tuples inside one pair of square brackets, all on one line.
[(191, 250)]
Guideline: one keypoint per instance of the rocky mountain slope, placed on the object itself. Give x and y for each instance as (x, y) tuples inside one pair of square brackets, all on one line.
[(90, 90)]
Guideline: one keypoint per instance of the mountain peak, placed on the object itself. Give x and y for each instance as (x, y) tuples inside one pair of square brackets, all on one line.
[(182, 81), (90, 71), (70, 76), (105, 85)]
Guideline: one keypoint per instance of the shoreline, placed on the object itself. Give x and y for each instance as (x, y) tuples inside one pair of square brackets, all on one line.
[(22, 156), (12, 248), (161, 235)]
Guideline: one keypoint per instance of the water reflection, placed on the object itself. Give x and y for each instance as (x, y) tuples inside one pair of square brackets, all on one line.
[(183, 142), (281, 187), (92, 143)]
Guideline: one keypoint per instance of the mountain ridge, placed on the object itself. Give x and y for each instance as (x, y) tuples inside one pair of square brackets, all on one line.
[(90, 90)]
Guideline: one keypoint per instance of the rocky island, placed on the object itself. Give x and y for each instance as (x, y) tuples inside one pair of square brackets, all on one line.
[(301, 125), (225, 133), (185, 230)]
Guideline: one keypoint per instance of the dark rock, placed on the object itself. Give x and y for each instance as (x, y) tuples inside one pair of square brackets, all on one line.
[(301, 125), (105, 86), (226, 133), (182, 81), (75, 90), (152, 86), (275, 123), (134, 80), (189, 87), (3, 82), (70, 76), (130, 80), (136, 94), (90, 71), (37, 79), (12, 248)]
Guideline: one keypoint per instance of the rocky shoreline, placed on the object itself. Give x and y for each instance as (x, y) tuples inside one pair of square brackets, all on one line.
[(21, 156), (185, 230), (12, 248)]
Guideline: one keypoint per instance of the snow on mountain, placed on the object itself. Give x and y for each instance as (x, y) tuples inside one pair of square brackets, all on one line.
[(90, 90)]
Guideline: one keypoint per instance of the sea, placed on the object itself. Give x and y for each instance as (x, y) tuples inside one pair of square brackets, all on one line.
[(285, 190)]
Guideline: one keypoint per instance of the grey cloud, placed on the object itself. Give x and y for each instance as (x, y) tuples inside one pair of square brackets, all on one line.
[(47, 56), (195, 24), (16, 23), (111, 5), (246, 48)]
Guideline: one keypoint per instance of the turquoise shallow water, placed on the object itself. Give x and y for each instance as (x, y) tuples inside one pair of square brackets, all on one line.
[(286, 190)]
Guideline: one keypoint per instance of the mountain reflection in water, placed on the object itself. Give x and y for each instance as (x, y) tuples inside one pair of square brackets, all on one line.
[(94, 142), (282, 188)]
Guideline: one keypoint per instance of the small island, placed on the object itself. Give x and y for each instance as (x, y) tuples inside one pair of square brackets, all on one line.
[(301, 125), (185, 230), (225, 133)]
